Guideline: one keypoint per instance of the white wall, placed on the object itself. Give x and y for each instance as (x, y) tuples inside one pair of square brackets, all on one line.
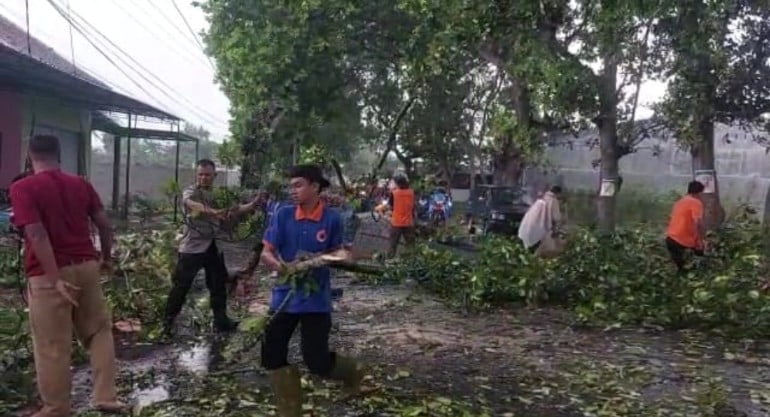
[(742, 165)]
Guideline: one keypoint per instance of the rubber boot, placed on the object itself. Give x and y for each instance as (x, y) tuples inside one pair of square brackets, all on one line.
[(349, 372), (287, 388), (223, 324), (168, 328)]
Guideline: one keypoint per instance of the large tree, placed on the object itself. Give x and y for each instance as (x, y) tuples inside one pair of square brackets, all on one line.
[(719, 71), (566, 64), (298, 74)]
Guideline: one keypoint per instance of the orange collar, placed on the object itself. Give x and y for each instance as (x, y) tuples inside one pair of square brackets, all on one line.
[(314, 215)]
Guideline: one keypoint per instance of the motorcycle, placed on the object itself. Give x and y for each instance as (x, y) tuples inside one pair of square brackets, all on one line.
[(379, 210), (440, 208), (423, 208)]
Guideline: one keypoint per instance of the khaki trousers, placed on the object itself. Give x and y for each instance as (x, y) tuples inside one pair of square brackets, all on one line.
[(52, 319)]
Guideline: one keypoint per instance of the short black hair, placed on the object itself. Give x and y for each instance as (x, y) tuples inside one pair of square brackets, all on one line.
[(401, 182), (695, 187), (556, 189), (46, 146), (310, 172), (205, 162)]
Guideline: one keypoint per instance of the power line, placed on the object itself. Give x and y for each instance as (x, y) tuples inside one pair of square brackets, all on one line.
[(197, 111), (192, 32), (83, 68), (168, 19), (77, 28), (191, 57)]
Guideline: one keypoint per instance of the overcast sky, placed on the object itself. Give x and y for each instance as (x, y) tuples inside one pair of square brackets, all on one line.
[(150, 31)]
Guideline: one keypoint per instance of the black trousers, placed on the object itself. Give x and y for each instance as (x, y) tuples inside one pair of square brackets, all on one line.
[(187, 267), (314, 327), (678, 253)]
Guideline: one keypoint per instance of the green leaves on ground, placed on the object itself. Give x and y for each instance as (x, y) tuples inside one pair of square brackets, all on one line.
[(625, 277)]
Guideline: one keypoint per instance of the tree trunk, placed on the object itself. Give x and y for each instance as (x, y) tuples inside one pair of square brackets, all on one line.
[(393, 135), (340, 177), (508, 168), (703, 160), (607, 122), (406, 162), (700, 74), (509, 165), (383, 159), (250, 171)]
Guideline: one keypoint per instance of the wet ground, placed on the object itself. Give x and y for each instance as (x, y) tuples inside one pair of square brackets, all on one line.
[(429, 360), (512, 361)]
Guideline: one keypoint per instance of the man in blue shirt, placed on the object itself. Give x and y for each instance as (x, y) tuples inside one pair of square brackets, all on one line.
[(307, 226)]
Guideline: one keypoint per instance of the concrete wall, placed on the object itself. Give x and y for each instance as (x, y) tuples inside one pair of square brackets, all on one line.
[(146, 179), (742, 165), (11, 120), (49, 114)]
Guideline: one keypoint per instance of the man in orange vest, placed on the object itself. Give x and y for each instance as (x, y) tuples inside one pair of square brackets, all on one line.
[(685, 228), (402, 219)]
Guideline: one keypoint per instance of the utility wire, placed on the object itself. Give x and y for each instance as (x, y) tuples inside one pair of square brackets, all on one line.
[(168, 19), (83, 69), (190, 57), (203, 114), (192, 32), (107, 57)]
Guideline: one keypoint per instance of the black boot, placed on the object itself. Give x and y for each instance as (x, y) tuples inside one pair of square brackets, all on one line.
[(168, 328), (224, 324)]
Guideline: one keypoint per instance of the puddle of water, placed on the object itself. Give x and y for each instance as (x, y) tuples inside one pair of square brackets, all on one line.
[(148, 396), (196, 358)]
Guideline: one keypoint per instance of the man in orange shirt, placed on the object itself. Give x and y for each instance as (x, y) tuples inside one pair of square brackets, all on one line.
[(685, 228), (402, 220)]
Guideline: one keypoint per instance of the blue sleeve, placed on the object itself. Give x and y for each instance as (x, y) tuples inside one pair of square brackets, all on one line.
[(337, 233), (274, 231)]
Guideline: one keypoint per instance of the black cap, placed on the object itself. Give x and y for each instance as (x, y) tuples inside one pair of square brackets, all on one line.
[(310, 172)]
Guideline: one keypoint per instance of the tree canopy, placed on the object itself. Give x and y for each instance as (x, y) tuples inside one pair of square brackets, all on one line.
[(448, 84)]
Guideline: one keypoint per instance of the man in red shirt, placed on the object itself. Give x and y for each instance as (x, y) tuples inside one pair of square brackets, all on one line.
[(54, 210)]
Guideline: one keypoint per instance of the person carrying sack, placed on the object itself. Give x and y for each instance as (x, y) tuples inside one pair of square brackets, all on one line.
[(307, 226), (537, 230)]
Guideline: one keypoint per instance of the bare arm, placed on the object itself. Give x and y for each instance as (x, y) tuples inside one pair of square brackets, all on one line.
[(269, 259), (245, 208), (41, 246), (700, 229), (105, 234), (700, 226), (199, 207)]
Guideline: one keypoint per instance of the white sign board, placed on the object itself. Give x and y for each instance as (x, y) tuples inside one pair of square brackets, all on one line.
[(707, 178), (608, 188)]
